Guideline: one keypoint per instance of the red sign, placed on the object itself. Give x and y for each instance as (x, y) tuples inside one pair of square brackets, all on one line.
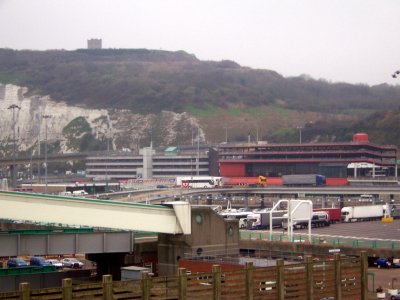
[(185, 183)]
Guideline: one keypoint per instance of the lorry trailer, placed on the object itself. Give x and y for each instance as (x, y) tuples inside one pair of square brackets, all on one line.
[(304, 180), (362, 213)]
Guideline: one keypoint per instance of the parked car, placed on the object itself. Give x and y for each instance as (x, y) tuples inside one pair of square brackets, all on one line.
[(71, 262), (383, 263), (38, 261), (395, 297), (55, 262), (16, 263)]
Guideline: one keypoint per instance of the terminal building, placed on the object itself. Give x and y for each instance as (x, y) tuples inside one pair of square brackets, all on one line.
[(356, 158), (152, 163)]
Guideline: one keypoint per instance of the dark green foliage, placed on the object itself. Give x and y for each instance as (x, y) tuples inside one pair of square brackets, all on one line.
[(150, 81), (382, 128), (89, 143), (79, 137), (77, 127)]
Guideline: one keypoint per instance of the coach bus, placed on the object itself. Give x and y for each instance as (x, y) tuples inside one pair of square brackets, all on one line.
[(197, 182)]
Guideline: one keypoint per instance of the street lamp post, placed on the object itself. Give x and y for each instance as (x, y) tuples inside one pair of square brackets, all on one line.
[(396, 74), (45, 117), (257, 135), (299, 128), (198, 152), (108, 157), (14, 180)]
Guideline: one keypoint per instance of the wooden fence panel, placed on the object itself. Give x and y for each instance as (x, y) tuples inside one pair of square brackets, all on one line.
[(9, 296), (129, 289), (48, 293), (233, 284), (264, 283), (324, 280), (200, 286), (295, 279), (87, 291), (164, 288), (351, 279)]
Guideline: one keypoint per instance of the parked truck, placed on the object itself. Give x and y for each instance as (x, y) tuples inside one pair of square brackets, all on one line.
[(362, 213), (304, 180), (334, 214), (318, 219), (262, 219)]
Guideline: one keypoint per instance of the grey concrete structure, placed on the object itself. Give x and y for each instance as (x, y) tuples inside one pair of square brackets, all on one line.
[(66, 243), (94, 44), (211, 235)]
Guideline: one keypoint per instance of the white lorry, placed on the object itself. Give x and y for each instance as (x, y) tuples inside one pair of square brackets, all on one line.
[(362, 213)]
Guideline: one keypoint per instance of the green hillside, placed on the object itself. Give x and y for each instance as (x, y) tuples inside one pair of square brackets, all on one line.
[(149, 81), (223, 95)]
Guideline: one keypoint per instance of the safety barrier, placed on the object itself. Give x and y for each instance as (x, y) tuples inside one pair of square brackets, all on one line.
[(318, 240)]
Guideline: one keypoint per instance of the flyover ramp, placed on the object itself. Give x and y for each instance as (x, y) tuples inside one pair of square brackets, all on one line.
[(172, 219)]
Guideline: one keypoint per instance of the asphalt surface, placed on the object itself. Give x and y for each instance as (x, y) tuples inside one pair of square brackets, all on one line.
[(376, 230)]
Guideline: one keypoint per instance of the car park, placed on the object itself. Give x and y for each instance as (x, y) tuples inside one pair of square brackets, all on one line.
[(38, 261), (55, 262), (71, 262), (16, 263)]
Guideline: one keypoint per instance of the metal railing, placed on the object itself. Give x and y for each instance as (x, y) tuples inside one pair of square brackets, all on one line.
[(323, 240)]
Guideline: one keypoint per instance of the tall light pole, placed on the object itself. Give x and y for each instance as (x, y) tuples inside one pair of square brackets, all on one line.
[(198, 152), (257, 135), (108, 157), (14, 180), (226, 135), (299, 128), (45, 117), (395, 75)]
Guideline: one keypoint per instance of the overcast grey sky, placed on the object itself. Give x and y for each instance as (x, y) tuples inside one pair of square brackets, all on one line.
[(355, 41)]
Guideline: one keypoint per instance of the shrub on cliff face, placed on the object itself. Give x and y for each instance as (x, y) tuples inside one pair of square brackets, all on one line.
[(78, 134)]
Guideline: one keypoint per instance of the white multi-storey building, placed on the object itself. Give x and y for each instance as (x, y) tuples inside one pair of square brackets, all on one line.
[(152, 164)]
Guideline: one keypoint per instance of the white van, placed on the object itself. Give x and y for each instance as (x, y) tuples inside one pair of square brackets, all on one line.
[(79, 193)]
